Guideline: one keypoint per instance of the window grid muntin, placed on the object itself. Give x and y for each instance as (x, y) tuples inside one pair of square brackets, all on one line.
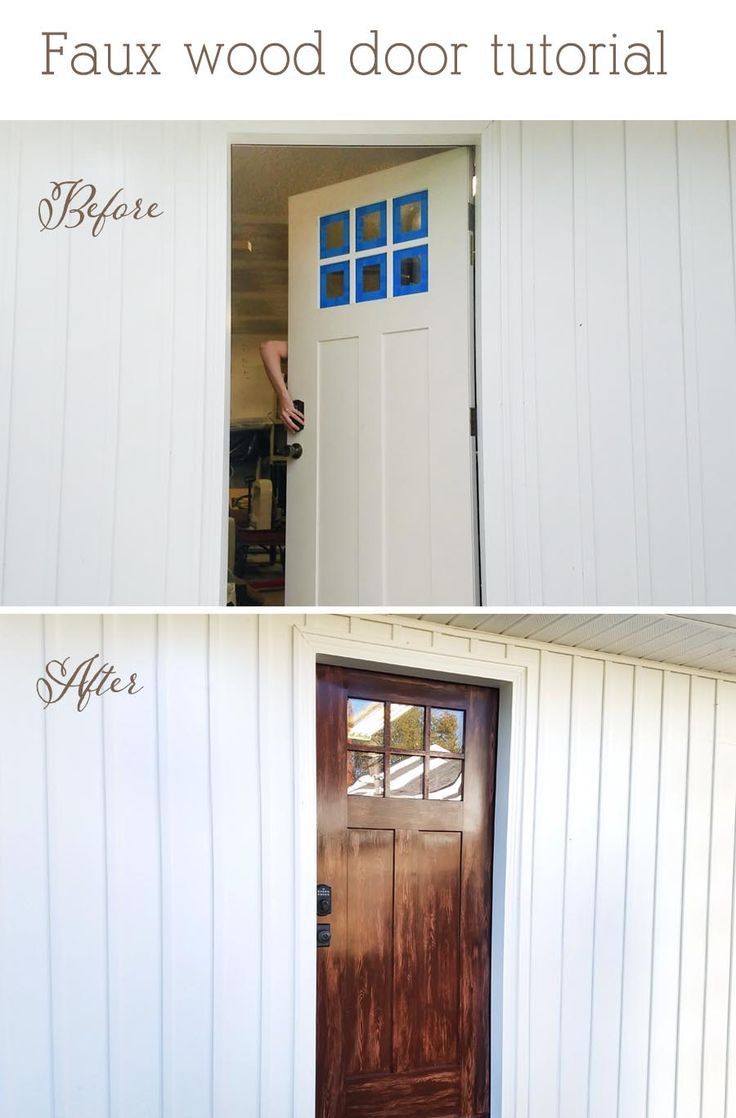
[(427, 753), (394, 242)]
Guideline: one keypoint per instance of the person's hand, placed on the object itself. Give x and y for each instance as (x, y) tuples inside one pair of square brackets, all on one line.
[(290, 416)]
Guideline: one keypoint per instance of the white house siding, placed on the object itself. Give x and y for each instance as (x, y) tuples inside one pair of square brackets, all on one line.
[(151, 865), (113, 370), (609, 349)]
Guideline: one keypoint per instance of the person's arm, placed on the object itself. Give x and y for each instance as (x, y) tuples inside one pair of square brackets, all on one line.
[(272, 354)]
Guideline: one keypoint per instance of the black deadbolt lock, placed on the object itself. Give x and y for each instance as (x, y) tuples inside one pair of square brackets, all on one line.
[(324, 935), (324, 900)]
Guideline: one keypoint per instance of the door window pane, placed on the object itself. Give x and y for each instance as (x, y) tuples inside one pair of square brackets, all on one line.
[(365, 773), (365, 723), (407, 727), (370, 226), (370, 277), (411, 270), (411, 216), (445, 779), (447, 729), (406, 777), (334, 284), (334, 234)]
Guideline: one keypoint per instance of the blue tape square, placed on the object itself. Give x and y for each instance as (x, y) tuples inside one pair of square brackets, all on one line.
[(326, 233), (332, 292), (411, 270), (421, 199), (362, 242), (371, 278)]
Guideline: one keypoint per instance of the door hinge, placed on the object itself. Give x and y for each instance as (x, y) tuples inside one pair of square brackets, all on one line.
[(473, 423), (471, 232)]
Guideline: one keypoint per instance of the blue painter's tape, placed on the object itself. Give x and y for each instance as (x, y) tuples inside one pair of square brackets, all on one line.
[(362, 243), (361, 294), (422, 230), (342, 219), (339, 299), (411, 270)]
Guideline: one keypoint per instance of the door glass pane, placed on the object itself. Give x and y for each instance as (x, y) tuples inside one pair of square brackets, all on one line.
[(410, 217), (365, 773), (445, 779), (335, 285), (411, 271), (446, 730), (407, 727), (365, 723), (334, 234), (372, 277), (406, 776)]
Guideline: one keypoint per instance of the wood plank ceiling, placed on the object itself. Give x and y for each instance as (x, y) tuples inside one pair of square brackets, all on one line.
[(705, 641)]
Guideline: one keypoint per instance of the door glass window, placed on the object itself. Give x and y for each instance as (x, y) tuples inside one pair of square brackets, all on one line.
[(408, 219), (406, 776), (447, 730), (404, 750), (365, 723), (334, 234), (365, 773)]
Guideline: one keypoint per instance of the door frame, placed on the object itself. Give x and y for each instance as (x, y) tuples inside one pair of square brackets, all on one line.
[(473, 134), (309, 649)]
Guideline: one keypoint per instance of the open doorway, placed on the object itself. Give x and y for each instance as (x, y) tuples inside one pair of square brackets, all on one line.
[(263, 180)]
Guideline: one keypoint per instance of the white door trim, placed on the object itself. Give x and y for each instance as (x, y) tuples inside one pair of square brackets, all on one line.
[(355, 134), (308, 650)]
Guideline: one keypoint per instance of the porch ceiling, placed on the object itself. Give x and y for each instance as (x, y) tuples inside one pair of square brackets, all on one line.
[(693, 640)]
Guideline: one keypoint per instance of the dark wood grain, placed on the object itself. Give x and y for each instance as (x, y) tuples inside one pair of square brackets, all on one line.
[(407, 979), (332, 838), (368, 981), (426, 949), (429, 815), (419, 1095)]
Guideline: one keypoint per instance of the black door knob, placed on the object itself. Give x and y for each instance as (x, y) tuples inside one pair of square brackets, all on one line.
[(324, 935)]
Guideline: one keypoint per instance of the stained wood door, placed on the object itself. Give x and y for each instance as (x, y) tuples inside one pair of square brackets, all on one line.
[(405, 783), (382, 504)]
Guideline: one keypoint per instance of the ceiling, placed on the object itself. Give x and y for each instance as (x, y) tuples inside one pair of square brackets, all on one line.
[(705, 641), (264, 177)]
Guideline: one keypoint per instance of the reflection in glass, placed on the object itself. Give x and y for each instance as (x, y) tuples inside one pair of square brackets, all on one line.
[(446, 730), (411, 271), (407, 727), (365, 773), (335, 284), (371, 275), (370, 225), (445, 779), (335, 234), (406, 776), (365, 722), (410, 217)]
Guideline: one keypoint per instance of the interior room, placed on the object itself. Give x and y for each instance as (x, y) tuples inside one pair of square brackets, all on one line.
[(263, 178)]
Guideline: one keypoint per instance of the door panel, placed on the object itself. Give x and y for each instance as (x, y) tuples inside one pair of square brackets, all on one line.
[(382, 500), (403, 988)]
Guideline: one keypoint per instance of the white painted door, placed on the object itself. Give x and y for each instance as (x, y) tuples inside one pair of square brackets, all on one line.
[(381, 504)]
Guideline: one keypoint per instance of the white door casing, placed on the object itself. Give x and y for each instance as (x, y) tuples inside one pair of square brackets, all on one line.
[(381, 504)]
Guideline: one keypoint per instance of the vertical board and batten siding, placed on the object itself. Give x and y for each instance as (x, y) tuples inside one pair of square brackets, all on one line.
[(113, 370), (608, 344), (152, 875), (607, 327)]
